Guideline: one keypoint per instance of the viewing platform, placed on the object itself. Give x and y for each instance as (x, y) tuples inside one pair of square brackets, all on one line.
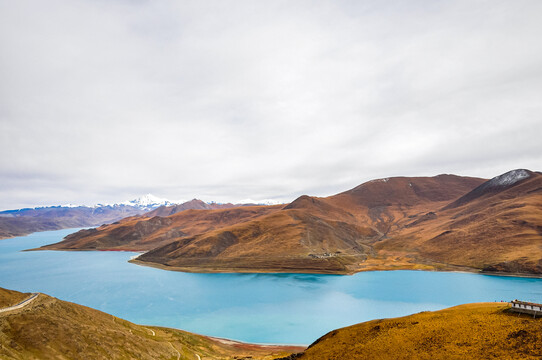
[(526, 308)]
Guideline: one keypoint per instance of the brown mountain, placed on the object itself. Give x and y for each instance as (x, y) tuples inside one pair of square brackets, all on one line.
[(495, 227), (48, 328), (325, 235), (194, 204), (445, 222), (26, 221), (471, 331), (146, 233)]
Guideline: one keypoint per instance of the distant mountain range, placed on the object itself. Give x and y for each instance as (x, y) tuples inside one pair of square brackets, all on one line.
[(25, 221), (446, 222)]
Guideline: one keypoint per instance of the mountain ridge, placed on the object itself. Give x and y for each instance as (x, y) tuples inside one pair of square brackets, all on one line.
[(385, 224), (24, 221)]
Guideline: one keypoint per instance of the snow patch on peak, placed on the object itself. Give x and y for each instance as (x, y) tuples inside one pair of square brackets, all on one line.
[(509, 178), (69, 206), (148, 201), (380, 180)]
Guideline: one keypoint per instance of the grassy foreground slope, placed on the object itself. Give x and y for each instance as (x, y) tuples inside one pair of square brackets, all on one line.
[(49, 328), (471, 331)]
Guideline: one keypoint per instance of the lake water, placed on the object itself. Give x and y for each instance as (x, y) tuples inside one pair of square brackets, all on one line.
[(261, 308)]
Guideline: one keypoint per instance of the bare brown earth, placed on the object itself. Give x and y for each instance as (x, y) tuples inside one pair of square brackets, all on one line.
[(445, 222), (500, 230), (49, 328), (146, 233), (26, 221), (471, 331)]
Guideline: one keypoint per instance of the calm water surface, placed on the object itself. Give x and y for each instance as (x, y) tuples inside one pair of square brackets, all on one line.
[(261, 308)]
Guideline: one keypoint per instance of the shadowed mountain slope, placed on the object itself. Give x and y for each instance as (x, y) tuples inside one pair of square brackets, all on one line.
[(48, 328), (495, 227), (325, 235), (144, 233), (446, 222)]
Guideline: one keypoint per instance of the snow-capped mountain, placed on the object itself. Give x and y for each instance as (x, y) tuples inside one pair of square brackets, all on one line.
[(24, 221), (509, 178), (149, 201)]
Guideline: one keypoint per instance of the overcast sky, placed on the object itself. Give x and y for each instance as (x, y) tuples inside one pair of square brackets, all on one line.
[(105, 100)]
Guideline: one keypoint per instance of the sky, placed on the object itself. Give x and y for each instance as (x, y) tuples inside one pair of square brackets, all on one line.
[(103, 101)]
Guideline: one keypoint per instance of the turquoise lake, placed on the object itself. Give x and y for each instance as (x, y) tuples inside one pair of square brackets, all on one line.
[(260, 308)]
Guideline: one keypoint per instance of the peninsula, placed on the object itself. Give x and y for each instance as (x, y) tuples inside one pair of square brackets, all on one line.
[(446, 222)]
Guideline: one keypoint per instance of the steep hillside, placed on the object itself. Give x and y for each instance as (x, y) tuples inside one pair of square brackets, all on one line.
[(472, 331), (445, 222), (324, 235), (283, 241), (146, 233), (48, 328), (495, 227)]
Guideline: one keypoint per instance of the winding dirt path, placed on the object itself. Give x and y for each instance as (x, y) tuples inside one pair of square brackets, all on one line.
[(21, 304), (178, 353)]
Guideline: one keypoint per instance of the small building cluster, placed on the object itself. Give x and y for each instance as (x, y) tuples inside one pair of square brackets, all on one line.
[(526, 307)]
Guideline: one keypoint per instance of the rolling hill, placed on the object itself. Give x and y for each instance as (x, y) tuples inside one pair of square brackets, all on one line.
[(26, 221), (446, 222), (471, 331), (48, 328)]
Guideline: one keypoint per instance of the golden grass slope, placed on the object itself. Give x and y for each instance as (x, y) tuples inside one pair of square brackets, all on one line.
[(472, 331), (49, 328)]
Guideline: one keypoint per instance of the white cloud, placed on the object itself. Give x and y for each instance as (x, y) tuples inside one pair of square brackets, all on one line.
[(225, 100)]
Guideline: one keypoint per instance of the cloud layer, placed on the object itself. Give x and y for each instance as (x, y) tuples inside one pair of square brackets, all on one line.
[(225, 100)]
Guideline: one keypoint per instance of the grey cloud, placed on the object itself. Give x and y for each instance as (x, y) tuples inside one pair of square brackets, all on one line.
[(227, 100)]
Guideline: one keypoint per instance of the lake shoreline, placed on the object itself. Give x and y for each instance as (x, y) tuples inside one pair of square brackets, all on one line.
[(258, 307), (206, 270)]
